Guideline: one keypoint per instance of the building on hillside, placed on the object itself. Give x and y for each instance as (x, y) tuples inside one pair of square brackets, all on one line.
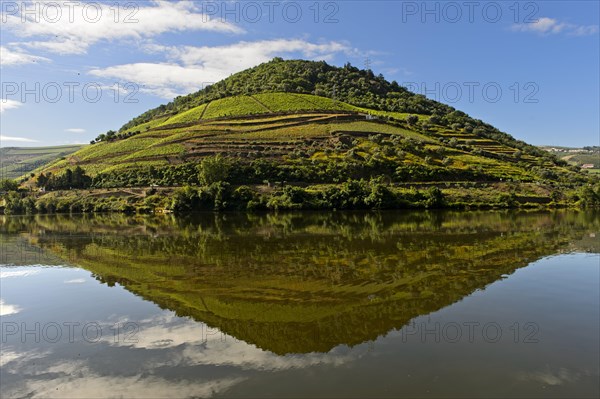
[(587, 166)]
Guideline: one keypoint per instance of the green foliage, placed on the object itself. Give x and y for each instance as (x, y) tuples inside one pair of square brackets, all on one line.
[(590, 196), (70, 179), (412, 119), (8, 185), (435, 198), (213, 170)]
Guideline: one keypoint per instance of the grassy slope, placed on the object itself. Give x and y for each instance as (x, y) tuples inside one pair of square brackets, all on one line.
[(17, 161)]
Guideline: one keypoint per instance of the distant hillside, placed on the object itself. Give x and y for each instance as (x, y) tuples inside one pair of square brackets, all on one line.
[(18, 161), (581, 157)]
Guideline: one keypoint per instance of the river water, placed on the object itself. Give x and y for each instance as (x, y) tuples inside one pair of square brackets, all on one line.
[(390, 304)]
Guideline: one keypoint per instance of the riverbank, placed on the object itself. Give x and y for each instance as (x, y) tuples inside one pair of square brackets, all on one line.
[(353, 194)]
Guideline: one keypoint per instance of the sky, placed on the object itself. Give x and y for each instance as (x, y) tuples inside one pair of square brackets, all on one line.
[(70, 70)]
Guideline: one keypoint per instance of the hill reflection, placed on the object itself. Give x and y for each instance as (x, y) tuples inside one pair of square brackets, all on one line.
[(300, 283)]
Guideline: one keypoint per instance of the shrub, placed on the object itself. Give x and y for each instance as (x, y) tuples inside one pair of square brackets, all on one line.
[(213, 170)]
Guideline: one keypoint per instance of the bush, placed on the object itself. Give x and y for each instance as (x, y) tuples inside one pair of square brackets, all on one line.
[(434, 198), (8, 185), (412, 119), (213, 170)]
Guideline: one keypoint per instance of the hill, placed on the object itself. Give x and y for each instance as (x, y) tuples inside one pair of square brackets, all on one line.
[(587, 158), (303, 134), (19, 161)]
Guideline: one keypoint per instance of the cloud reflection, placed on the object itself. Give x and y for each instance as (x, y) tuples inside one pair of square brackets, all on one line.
[(18, 273), (194, 344), (162, 341), (6, 309)]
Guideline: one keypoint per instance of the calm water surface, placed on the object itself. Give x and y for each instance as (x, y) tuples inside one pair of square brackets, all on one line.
[(481, 304)]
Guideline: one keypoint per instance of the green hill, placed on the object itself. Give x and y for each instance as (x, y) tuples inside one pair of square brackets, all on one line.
[(312, 127), (18, 161)]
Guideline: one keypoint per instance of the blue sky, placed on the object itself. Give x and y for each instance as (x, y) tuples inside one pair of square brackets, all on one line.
[(530, 68)]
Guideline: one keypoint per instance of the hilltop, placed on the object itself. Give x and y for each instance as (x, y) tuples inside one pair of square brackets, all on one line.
[(303, 134)]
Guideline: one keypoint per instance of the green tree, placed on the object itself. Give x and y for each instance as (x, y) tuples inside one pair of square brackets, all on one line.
[(412, 119), (13, 204), (8, 185), (435, 198), (213, 170)]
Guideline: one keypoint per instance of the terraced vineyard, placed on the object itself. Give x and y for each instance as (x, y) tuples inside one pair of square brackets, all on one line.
[(287, 125), (192, 115), (314, 135), (234, 106)]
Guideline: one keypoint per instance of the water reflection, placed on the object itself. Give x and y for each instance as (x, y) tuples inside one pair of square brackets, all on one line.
[(297, 305), (299, 283)]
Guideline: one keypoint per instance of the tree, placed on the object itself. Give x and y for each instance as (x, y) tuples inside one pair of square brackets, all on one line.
[(8, 185), (435, 120), (13, 204), (435, 198), (412, 119), (213, 170), (42, 180), (79, 179)]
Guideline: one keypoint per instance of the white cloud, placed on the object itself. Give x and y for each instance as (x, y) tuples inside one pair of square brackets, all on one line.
[(75, 130), (16, 139), (190, 68), (6, 104), (18, 273), (74, 379), (584, 30), (17, 57), (163, 341), (549, 26), (74, 32), (163, 79), (18, 359), (7, 357), (6, 309), (75, 281), (202, 345), (560, 376)]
